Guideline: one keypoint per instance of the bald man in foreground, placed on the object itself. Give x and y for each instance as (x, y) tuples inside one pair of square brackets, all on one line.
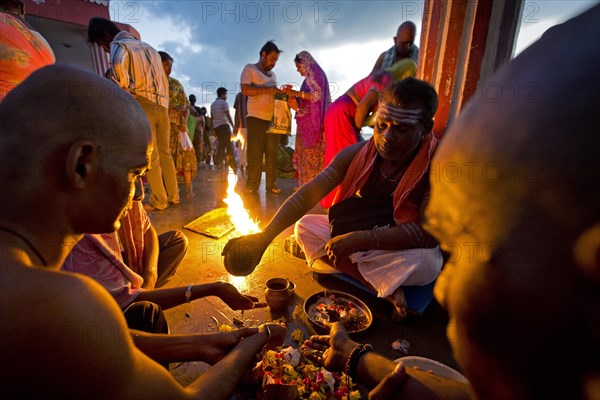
[(522, 286), (67, 170)]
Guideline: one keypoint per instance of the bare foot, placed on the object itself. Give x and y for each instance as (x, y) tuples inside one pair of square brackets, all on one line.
[(399, 302)]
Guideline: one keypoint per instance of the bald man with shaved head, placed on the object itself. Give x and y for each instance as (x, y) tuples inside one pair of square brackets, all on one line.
[(525, 307), (68, 169), (404, 47)]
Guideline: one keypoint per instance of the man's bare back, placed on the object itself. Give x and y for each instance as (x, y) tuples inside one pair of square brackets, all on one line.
[(69, 170)]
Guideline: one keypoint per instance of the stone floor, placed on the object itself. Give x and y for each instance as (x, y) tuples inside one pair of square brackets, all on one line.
[(203, 263)]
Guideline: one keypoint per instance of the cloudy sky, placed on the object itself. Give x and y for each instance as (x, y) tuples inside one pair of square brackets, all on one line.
[(211, 41)]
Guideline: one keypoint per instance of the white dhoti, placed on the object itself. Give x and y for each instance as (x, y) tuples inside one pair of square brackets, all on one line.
[(385, 270)]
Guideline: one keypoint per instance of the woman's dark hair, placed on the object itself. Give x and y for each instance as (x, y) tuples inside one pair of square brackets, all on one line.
[(410, 91), (98, 27), (164, 56), (269, 47)]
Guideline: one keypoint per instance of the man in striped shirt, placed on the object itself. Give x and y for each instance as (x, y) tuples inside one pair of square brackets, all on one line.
[(136, 67)]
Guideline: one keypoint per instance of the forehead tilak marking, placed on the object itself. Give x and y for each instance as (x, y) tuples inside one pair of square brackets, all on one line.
[(397, 114)]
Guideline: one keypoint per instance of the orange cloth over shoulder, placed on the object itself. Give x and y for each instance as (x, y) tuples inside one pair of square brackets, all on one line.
[(22, 51), (361, 167)]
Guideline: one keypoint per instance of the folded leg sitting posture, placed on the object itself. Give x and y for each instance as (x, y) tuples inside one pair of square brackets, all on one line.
[(383, 271), (98, 256), (155, 257)]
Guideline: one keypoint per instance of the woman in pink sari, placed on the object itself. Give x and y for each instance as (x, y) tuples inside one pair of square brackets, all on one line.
[(310, 104)]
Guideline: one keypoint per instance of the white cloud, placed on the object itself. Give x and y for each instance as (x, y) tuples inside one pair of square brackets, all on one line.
[(328, 31), (528, 34), (156, 30), (345, 65), (538, 17)]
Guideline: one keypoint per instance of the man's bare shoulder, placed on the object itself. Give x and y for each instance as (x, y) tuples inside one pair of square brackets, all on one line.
[(57, 288), (63, 329)]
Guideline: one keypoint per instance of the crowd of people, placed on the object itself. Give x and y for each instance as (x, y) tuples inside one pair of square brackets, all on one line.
[(323, 128), (74, 174)]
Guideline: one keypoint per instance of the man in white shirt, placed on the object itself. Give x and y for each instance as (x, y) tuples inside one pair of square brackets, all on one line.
[(222, 123), (259, 83), (136, 67)]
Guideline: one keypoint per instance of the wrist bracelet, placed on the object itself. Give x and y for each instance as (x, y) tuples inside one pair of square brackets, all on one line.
[(188, 293), (352, 362), (268, 335)]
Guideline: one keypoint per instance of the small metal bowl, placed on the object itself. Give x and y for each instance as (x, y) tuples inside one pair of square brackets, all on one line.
[(312, 299)]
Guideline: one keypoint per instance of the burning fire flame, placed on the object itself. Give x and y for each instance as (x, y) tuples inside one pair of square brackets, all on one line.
[(240, 219), (238, 137), (238, 214)]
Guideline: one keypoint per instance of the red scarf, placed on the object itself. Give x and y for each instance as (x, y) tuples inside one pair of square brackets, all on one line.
[(361, 167)]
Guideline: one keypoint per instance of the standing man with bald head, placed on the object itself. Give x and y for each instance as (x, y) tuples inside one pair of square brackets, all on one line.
[(137, 68), (404, 47)]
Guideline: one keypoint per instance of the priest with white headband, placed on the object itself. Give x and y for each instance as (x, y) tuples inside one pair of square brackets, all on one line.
[(373, 231)]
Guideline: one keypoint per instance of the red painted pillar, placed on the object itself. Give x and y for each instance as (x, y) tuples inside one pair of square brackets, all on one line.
[(453, 25), (462, 42), (477, 49), (429, 41)]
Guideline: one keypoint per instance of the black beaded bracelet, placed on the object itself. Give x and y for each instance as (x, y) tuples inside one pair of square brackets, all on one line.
[(355, 355)]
